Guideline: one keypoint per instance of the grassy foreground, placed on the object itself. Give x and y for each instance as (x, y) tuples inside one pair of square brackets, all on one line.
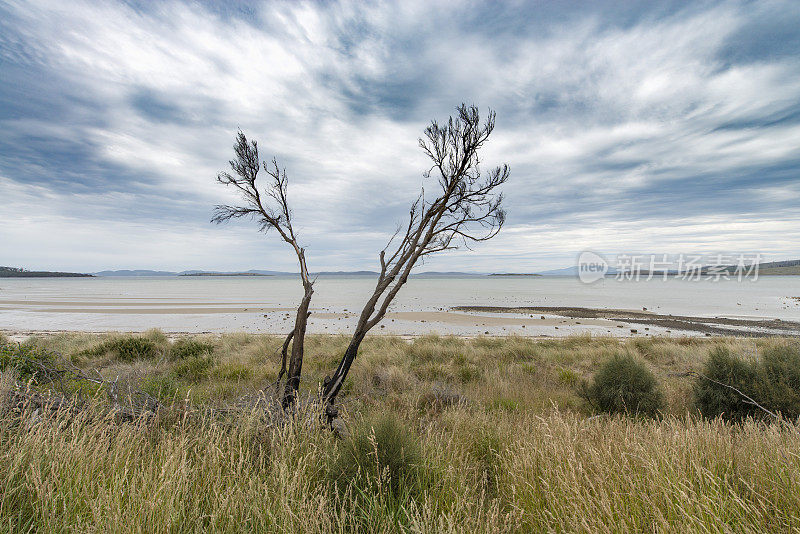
[(483, 435)]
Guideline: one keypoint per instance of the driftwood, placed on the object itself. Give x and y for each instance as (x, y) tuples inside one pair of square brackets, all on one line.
[(56, 386), (60, 373)]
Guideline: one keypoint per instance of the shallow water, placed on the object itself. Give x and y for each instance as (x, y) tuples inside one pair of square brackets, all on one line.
[(266, 304)]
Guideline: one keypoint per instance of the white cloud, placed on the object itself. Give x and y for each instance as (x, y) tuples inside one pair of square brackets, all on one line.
[(590, 116)]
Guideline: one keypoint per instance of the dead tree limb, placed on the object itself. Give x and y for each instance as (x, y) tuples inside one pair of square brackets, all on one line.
[(284, 350), (60, 372), (270, 209), (467, 208)]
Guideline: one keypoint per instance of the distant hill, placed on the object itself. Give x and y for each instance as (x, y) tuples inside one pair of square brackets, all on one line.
[(434, 274), (224, 274), (777, 271), (18, 272), (194, 272), (251, 272), (786, 263), (777, 268), (137, 272), (772, 268), (342, 273), (516, 274)]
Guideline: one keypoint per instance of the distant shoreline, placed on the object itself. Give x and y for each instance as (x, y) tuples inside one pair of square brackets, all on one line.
[(43, 274), (224, 274), (515, 274)]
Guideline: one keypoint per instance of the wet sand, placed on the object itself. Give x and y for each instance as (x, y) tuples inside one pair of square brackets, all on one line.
[(467, 321), (188, 310), (707, 325), (495, 306)]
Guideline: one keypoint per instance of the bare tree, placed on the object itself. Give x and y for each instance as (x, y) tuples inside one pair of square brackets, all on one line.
[(274, 215), (466, 208)]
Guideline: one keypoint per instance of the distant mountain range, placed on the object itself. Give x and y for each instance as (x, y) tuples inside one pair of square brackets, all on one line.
[(786, 267), (137, 272), (147, 272), (258, 272)]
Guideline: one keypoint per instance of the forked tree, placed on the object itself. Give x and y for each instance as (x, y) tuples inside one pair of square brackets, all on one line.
[(270, 209), (467, 207)]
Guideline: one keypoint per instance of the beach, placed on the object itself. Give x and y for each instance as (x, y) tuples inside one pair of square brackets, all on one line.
[(463, 306)]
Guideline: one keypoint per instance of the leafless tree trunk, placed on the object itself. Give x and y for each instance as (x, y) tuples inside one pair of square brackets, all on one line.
[(467, 208), (246, 167)]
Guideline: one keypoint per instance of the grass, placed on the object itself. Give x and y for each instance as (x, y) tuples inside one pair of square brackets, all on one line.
[(448, 434)]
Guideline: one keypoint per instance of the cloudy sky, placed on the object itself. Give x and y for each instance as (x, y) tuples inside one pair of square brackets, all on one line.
[(629, 127)]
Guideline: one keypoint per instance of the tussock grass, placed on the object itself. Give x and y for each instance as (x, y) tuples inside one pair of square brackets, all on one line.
[(486, 435), (466, 471)]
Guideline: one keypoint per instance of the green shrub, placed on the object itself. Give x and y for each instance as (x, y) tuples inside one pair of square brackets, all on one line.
[(469, 373), (163, 387), (772, 381), (235, 371), (780, 380), (27, 359), (382, 454), (713, 399), (188, 348), (193, 368), (505, 404), (624, 385), (567, 377), (127, 349), (156, 336)]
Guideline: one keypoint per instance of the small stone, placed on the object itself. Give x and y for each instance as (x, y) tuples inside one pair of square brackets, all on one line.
[(339, 428)]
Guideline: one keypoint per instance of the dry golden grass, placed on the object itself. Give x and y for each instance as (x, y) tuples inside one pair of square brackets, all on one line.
[(510, 447)]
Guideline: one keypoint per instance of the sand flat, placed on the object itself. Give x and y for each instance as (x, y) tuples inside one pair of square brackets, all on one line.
[(6, 304), (164, 311)]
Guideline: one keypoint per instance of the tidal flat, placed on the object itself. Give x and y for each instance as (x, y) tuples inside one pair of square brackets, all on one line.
[(465, 306)]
